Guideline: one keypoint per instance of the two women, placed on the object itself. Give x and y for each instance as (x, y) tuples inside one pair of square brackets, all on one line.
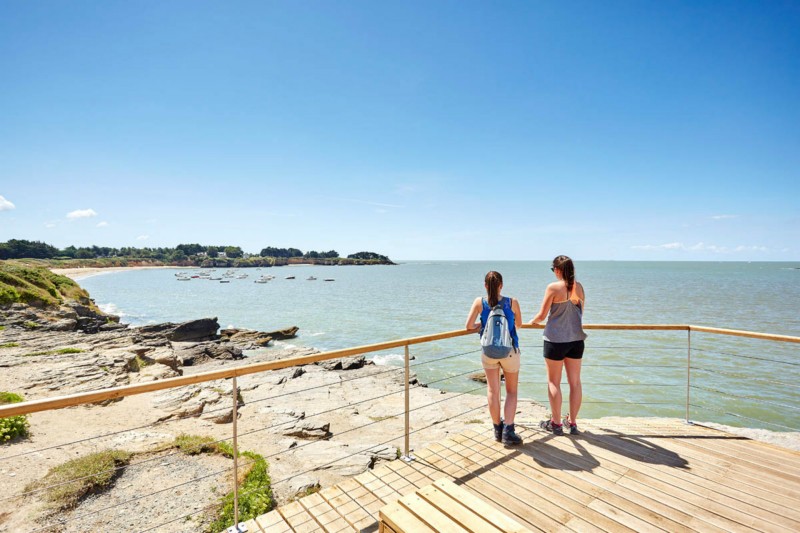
[(563, 303)]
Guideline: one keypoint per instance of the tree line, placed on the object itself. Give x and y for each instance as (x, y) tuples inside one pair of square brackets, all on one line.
[(23, 249)]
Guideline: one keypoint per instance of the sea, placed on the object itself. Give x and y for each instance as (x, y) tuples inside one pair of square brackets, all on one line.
[(734, 381)]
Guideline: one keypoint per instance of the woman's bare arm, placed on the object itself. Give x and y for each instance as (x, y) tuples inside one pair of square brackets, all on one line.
[(474, 311)]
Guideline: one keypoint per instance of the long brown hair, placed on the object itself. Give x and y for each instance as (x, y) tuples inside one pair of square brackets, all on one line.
[(564, 264), (493, 282)]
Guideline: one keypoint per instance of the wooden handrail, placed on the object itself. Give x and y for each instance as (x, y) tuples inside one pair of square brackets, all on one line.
[(60, 402)]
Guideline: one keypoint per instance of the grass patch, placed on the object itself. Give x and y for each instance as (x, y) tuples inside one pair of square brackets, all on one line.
[(92, 473), (195, 444), (30, 325), (2, 328), (255, 486), (12, 427), (22, 282), (9, 345), (475, 421), (60, 351)]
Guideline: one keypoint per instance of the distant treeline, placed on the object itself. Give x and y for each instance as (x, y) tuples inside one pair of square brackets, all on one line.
[(183, 254)]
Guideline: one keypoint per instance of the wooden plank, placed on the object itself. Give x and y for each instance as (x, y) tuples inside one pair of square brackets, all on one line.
[(670, 483), (429, 514), (573, 495), (710, 468), (350, 510), (325, 515), (457, 511), (750, 334), (478, 507), (503, 498), (273, 522), (728, 480), (298, 518), (626, 502), (252, 526), (401, 519)]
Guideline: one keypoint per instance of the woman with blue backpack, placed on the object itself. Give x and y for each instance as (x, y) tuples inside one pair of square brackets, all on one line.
[(500, 346)]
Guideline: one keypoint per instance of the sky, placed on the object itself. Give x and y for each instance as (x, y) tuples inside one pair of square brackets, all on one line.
[(620, 130)]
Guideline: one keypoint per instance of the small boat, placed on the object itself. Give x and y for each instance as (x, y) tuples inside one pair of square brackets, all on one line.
[(215, 279), (261, 281), (289, 277), (311, 278), (329, 279), (184, 279), (224, 281), (195, 276)]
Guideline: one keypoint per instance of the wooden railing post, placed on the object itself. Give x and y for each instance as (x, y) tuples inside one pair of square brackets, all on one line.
[(688, 371), (235, 527), (407, 456)]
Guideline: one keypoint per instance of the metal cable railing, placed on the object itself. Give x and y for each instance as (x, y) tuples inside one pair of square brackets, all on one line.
[(248, 463), (619, 381)]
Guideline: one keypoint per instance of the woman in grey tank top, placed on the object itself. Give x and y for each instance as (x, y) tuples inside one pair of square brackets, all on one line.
[(563, 305)]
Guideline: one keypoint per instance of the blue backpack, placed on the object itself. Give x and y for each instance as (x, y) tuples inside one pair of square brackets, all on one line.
[(498, 332)]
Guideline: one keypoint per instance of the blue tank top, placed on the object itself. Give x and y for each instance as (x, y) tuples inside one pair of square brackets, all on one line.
[(506, 303)]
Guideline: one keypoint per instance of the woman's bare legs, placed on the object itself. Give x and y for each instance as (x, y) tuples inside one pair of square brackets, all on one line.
[(573, 368), (493, 393), (554, 388), (510, 407)]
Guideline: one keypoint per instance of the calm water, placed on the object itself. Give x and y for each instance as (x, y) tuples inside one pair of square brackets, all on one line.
[(628, 373)]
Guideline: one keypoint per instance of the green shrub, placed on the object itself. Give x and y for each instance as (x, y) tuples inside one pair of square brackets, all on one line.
[(92, 473), (9, 345), (12, 427), (255, 495)]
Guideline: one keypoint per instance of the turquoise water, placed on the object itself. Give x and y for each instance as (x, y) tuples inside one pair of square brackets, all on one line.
[(628, 373)]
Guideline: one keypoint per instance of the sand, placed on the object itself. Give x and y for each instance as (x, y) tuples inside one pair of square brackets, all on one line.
[(85, 272)]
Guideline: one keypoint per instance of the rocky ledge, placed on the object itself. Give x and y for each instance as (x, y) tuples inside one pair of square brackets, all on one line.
[(316, 424)]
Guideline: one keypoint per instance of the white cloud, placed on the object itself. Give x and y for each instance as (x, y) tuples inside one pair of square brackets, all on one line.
[(49, 225), (668, 246), (723, 217), (701, 247), (102, 224), (142, 237), (81, 213), (5, 205)]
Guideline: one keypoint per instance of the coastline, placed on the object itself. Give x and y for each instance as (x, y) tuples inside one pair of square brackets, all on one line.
[(86, 272)]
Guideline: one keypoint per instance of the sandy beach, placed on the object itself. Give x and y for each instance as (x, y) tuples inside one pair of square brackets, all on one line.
[(86, 272)]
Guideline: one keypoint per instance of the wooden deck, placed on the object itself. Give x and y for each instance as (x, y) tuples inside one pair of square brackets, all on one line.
[(622, 474)]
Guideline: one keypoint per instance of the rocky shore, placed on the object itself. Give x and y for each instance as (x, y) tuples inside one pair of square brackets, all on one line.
[(315, 424)]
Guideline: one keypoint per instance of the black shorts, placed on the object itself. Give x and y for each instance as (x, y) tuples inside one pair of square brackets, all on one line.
[(557, 351)]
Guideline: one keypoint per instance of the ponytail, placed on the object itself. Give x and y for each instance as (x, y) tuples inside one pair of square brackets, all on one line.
[(493, 282), (564, 264)]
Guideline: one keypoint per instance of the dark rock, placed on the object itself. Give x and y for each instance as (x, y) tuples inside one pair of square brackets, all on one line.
[(112, 326), (344, 363), (195, 330), (66, 324)]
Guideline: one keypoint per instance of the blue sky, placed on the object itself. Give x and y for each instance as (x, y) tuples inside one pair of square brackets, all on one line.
[(421, 130)]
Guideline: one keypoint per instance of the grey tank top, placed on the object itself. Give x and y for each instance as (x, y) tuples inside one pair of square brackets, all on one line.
[(565, 323)]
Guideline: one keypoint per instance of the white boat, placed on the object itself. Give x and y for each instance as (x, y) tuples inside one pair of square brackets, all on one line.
[(311, 278), (261, 281)]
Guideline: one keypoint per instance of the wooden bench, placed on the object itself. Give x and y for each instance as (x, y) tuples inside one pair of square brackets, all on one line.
[(443, 507)]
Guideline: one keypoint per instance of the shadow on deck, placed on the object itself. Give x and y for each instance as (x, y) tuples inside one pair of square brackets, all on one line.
[(620, 474)]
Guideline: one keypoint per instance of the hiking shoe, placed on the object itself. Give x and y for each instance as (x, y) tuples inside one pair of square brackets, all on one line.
[(550, 427), (573, 429), (510, 438), (498, 431)]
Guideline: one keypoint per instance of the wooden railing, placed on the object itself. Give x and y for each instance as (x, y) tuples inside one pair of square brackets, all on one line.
[(47, 404)]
